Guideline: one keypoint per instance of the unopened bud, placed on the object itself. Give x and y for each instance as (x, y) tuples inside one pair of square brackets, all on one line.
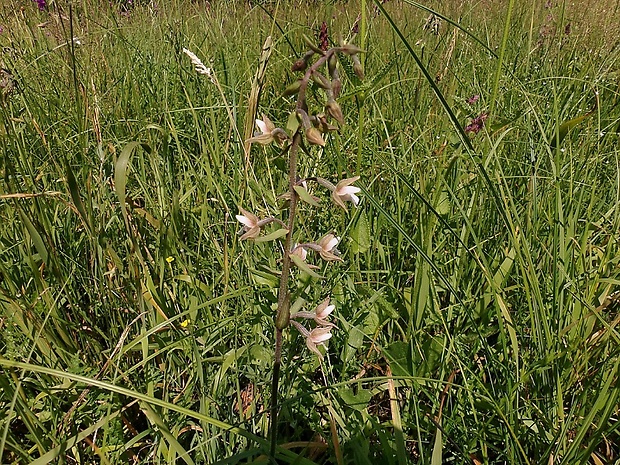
[(331, 64), (293, 88), (299, 65), (321, 80), (350, 49), (357, 66), (313, 136), (310, 43), (305, 119), (333, 109), (302, 63), (336, 86)]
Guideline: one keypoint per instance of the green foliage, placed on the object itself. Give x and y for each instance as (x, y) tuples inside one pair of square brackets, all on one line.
[(477, 303)]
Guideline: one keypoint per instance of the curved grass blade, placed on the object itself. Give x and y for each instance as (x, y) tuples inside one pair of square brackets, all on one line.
[(281, 453)]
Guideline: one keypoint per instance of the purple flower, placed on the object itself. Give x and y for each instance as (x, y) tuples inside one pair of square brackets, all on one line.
[(324, 37), (473, 99), (477, 123), (41, 4)]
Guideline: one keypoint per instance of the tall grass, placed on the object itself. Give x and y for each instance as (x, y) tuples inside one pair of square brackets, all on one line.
[(478, 307)]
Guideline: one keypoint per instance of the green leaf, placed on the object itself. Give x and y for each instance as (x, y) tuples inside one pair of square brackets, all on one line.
[(357, 401), (566, 126), (292, 124), (361, 234), (273, 236), (303, 266), (399, 358), (305, 196)]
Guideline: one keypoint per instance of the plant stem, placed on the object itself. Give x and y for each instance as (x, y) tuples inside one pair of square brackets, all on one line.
[(283, 312)]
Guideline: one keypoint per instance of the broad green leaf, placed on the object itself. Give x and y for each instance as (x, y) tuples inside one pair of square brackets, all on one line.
[(272, 236), (303, 266), (305, 196), (361, 234)]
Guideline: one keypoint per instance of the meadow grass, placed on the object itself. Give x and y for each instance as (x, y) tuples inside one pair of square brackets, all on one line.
[(477, 305)]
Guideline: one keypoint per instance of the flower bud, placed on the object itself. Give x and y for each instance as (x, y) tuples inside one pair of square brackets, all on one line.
[(336, 86), (310, 43), (313, 136), (293, 88), (357, 66), (331, 64), (299, 65), (333, 109), (350, 49), (321, 80)]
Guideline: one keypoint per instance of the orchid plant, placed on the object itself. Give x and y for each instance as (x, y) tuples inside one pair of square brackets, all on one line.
[(313, 128)]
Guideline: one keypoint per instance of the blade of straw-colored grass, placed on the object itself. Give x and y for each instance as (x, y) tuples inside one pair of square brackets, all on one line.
[(257, 87)]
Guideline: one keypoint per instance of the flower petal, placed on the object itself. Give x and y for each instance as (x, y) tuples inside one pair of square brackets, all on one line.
[(320, 335), (325, 312), (245, 221), (348, 190), (252, 233), (262, 126)]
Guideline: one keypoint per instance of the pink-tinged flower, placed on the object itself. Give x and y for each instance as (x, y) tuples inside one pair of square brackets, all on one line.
[(299, 251), (251, 224), (323, 310), (345, 192), (320, 314), (477, 123), (318, 336), (327, 248), (268, 133)]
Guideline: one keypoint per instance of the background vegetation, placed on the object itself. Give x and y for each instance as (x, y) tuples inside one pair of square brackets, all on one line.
[(477, 306)]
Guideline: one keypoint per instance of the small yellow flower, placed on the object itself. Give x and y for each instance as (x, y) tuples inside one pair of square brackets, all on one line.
[(169, 259), (185, 323)]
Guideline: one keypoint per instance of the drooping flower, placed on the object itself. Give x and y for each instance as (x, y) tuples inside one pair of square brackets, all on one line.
[(251, 224), (299, 251), (319, 315), (345, 192), (268, 133), (327, 248), (315, 337), (322, 311)]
